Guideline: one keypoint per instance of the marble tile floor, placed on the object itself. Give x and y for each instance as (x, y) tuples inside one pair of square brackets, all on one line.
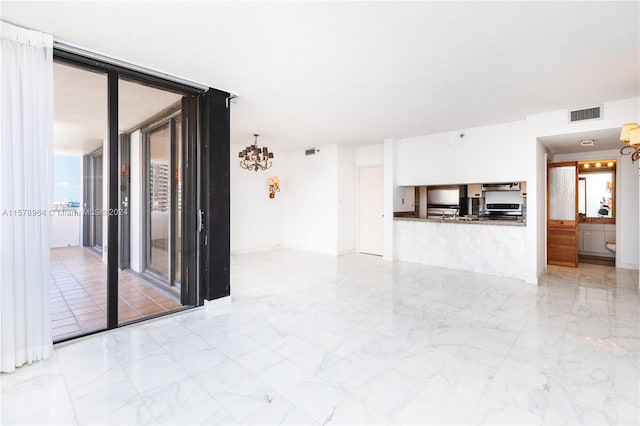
[(312, 339)]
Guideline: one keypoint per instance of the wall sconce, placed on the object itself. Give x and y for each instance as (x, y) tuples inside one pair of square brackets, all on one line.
[(274, 186), (630, 136)]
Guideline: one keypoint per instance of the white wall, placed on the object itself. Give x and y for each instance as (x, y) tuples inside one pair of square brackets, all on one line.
[(346, 209), (390, 158), (628, 227), (614, 115), (537, 216), (65, 230), (369, 155), (493, 153), (316, 209), (310, 183), (257, 221), (135, 200)]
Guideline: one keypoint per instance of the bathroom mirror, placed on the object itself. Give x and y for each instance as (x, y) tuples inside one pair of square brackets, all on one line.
[(596, 189)]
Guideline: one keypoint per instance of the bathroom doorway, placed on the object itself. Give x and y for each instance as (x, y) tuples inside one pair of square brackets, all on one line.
[(597, 212)]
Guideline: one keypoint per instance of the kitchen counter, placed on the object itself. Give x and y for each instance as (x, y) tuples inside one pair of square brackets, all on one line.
[(499, 248), (466, 221)]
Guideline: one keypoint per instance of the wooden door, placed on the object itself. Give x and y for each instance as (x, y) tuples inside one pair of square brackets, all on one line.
[(562, 224), (371, 210)]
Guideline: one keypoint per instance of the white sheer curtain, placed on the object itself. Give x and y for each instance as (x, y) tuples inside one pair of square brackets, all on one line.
[(26, 166)]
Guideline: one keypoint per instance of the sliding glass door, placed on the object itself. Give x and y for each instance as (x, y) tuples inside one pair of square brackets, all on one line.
[(118, 255), (163, 209), (78, 279), (150, 119)]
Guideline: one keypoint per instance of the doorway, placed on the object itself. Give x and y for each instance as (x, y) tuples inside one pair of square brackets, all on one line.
[(371, 210), (581, 213), (597, 211), (562, 223)]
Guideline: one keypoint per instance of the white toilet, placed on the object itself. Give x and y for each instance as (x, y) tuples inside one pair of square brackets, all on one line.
[(610, 245)]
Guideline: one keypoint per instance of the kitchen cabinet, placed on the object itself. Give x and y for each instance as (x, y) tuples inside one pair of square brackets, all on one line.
[(404, 199), (474, 190)]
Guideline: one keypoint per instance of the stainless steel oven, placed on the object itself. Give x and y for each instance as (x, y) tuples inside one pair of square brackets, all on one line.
[(446, 200), (503, 211)]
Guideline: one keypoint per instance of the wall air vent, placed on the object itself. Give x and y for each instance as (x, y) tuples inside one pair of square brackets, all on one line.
[(582, 114), (311, 151)]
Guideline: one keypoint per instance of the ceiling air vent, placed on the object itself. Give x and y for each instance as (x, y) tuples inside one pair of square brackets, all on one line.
[(585, 114), (311, 151)]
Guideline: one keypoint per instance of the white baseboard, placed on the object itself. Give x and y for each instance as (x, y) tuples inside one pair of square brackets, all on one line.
[(257, 249), (299, 248), (627, 266), (345, 252), (311, 250)]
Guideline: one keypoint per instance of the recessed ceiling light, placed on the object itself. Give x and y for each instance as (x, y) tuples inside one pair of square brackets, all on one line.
[(587, 142)]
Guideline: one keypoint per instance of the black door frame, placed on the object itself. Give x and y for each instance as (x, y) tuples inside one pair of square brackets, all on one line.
[(124, 218), (206, 139), (214, 265)]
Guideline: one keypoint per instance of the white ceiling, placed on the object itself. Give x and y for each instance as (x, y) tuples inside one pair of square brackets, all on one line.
[(311, 73), (603, 140), (80, 108)]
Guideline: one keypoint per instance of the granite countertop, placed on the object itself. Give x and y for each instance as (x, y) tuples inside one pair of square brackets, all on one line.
[(466, 221)]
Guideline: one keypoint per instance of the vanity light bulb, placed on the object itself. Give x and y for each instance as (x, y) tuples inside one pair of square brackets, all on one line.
[(610, 164), (598, 164), (586, 166)]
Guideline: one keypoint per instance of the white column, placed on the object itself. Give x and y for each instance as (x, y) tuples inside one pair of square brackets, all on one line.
[(536, 210), (389, 184)]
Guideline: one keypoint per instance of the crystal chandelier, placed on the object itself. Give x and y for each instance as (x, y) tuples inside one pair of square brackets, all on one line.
[(255, 158)]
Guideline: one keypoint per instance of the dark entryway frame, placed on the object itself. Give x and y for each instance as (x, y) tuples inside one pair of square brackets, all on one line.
[(206, 208)]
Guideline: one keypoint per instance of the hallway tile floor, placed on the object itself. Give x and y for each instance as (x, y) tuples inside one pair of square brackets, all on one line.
[(312, 339)]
